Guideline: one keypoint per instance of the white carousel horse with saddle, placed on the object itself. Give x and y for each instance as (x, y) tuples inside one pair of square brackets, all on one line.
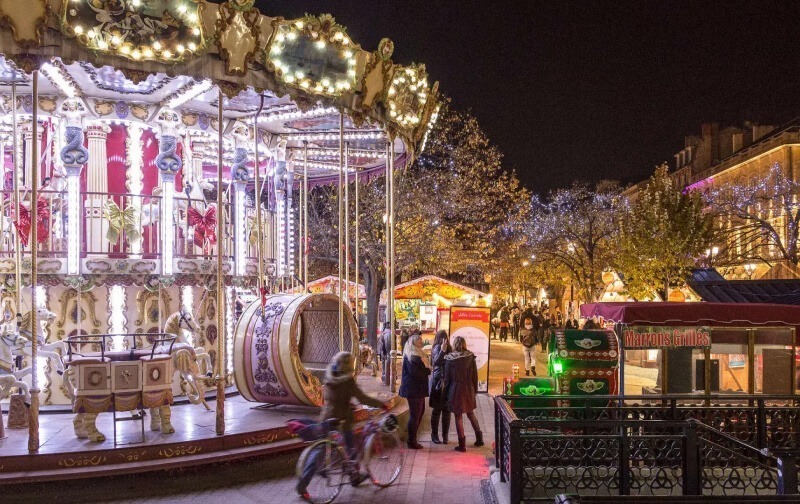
[(186, 359), (16, 341)]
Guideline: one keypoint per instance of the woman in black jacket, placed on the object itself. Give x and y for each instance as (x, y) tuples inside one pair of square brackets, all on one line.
[(461, 384), (414, 387), (438, 400)]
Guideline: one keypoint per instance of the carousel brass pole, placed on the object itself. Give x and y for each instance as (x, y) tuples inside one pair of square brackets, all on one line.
[(390, 362), (390, 297), (357, 279), (16, 181), (341, 220), (220, 425), (259, 228), (346, 250), (305, 243), (33, 424)]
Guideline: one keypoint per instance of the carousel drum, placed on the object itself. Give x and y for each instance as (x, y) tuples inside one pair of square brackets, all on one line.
[(280, 355)]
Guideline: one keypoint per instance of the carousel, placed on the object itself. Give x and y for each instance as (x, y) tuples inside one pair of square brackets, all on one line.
[(157, 160)]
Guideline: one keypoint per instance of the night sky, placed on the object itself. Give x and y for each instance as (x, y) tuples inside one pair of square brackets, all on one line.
[(590, 89)]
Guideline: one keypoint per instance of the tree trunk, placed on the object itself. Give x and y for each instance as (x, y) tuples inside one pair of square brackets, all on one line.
[(373, 284)]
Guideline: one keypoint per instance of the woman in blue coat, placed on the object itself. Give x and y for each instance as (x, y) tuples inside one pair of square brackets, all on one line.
[(414, 387)]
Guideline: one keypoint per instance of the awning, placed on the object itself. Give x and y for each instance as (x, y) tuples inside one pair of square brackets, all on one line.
[(685, 314)]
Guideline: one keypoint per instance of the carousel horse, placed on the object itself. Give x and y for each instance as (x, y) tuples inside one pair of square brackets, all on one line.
[(45, 350), (187, 360), (9, 376)]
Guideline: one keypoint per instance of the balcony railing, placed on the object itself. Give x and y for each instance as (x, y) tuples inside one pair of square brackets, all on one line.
[(143, 212)]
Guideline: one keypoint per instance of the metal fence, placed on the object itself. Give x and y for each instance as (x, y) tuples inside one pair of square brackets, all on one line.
[(606, 450)]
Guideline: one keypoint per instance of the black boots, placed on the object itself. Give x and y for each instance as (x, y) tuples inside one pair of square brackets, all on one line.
[(445, 427), (435, 435), (462, 444), (478, 438)]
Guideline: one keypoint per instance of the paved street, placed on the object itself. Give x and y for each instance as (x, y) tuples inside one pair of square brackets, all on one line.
[(436, 474)]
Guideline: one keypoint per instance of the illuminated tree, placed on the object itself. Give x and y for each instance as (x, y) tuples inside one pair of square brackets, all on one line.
[(574, 231), (455, 208), (662, 236), (758, 218)]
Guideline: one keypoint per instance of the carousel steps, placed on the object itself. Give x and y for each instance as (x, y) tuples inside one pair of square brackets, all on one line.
[(285, 450)]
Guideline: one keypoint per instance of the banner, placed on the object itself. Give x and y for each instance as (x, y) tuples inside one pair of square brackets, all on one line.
[(472, 324), (665, 337)]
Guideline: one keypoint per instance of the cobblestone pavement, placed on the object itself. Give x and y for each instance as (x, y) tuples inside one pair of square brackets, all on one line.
[(436, 474)]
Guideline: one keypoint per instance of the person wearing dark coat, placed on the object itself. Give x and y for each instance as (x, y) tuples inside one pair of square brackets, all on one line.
[(385, 351), (438, 401), (461, 384), (414, 387), (338, 392)]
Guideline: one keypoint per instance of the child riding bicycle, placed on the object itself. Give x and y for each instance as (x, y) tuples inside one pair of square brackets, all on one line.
[(339, 389)]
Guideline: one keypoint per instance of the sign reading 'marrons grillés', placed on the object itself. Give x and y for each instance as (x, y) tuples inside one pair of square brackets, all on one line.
[(666, 337)]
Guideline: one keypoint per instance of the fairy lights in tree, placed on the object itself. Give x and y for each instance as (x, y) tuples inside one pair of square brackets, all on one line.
[(757, 216)]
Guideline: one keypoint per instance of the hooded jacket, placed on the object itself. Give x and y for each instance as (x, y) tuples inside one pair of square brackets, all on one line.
[(339, 390), (461, 381)]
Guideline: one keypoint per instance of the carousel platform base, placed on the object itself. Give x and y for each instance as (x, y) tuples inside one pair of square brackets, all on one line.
[(251, 432)]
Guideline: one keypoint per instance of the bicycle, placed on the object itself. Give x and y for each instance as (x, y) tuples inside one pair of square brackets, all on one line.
[(378, 448)]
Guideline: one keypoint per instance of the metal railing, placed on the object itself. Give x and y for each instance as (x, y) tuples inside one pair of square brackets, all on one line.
[(147, 218), (554, 447)]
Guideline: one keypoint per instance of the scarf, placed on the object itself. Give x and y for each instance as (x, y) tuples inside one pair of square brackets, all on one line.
[(412, 350)]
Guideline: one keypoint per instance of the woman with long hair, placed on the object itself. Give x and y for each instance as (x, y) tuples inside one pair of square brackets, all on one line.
[(414, 387), (461, 384), (438, 399)]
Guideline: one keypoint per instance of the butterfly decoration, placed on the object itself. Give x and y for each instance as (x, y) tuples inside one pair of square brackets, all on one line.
[(23, 222), (204, 224), (121, 220)]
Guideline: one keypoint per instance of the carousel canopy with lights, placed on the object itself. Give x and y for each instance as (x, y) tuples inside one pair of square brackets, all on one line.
[(138, 61)]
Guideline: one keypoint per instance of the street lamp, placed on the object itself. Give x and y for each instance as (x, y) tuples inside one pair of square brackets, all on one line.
[(710, 253), (749, 268)]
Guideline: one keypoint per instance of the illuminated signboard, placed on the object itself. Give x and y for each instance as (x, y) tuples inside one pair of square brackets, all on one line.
[(666, 337)]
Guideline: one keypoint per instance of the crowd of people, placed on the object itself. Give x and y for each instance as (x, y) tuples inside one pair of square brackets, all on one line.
[(529, 326)]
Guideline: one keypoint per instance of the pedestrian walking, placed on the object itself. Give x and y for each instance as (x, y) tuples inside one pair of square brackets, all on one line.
[(385, 351), (438, 400), (527, 336), (559, 318), (515, 320), (461, 384), (504, 318), (414, 387)]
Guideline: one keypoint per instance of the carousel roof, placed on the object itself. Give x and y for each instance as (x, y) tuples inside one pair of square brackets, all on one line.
[(131, 60)]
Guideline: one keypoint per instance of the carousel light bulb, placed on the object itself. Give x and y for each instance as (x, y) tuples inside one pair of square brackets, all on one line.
[(91, 34), (136, 3), (193, 18), (348, 55), (320, 44), (115, 40), (157, 45), (196, 32), (167, 54), (182, 9), (192, 46), (78, 30), (180, 48), (148, 53), (280, 37), (289, 78), (291, 35)]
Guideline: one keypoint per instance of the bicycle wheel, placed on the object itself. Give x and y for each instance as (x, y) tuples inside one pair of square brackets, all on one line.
[(384, 456), (329, 463)]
